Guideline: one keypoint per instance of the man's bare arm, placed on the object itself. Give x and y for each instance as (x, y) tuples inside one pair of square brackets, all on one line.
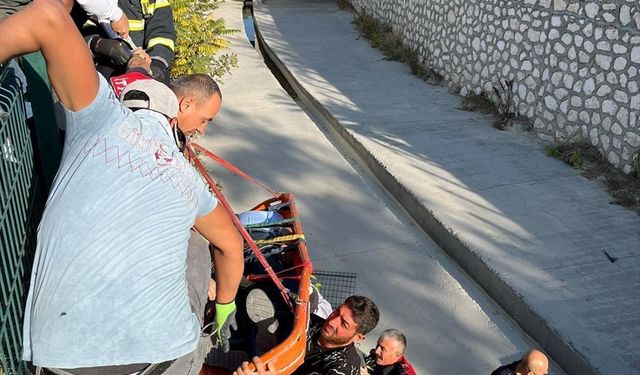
[(218, 229), (45, 26)]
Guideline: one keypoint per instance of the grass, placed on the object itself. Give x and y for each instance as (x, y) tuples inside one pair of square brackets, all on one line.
[(479, 103), (382, 37), (623, 188), (635, 165), (552, 151), (504, 117), (345, 5)]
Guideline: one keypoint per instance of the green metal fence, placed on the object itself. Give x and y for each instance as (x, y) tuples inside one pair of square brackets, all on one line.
[(26, 171)]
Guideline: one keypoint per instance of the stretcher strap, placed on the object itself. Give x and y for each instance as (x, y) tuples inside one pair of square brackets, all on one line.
[(281, 239), (232, 168), (265, 276), (284, 291)]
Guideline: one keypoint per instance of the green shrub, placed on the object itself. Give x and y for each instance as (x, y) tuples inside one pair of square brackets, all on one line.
[(345, 4), (635, 165), (382, 37), (479, 103), (200, 39), (575, 160), (551, 151)]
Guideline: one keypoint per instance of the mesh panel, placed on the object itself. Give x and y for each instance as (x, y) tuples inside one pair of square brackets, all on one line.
[(21, 206), (335, 287)]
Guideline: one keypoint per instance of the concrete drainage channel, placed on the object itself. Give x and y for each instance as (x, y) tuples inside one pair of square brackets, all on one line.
[(461, 253)]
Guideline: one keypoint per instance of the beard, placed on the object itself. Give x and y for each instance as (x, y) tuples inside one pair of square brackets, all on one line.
[(332, 339)]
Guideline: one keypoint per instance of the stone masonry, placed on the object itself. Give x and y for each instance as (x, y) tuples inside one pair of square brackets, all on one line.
[(573, 65)]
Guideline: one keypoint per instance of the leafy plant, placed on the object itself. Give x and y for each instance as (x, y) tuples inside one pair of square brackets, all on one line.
[(497, 104), (635, 165), (479, 103), (223, 64), (575, 160), (551, 151), (200, 39), (368, 26), (586, 158), (382, 37), (345, 4), (504, 92)]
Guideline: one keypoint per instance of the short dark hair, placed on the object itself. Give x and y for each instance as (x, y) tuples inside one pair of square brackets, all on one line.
[(136, 95), (365, 313), (199, 85)]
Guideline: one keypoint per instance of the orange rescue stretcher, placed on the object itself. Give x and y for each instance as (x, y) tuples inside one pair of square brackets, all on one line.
[(288, 354)]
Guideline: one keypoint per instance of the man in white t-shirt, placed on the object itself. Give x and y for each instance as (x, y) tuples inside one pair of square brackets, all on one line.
[(108, 289)]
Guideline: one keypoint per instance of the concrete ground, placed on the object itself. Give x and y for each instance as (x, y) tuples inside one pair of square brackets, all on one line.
[(528, 228)]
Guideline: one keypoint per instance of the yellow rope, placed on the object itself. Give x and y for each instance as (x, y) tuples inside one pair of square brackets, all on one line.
[(280, 239)]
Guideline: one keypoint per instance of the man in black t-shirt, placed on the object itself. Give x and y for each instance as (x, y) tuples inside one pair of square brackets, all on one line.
[(331, 342), (533, 362), (509, 369)]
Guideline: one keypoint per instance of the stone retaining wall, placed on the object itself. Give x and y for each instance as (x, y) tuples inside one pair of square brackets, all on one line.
[(574, 65)]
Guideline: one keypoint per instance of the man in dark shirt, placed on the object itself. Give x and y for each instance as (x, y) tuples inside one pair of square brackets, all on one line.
[(331, 343), (388, 356), (533, 362)]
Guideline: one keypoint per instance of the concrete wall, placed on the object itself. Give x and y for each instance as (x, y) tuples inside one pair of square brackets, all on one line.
[(574, 64)]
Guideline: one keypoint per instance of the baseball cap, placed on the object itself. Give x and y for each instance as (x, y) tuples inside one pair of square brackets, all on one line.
[(156, 97), (119, 83)]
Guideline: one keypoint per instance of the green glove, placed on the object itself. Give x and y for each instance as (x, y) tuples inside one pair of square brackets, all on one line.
[(224, 320)]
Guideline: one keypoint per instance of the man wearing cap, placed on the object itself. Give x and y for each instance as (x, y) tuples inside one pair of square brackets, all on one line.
[(198, 101), (198, 94), (108, 292)]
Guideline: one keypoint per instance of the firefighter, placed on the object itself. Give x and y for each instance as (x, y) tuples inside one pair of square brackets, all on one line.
[(151, 27)]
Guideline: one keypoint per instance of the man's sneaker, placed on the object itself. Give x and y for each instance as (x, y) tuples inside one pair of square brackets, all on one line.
[(261, 311)]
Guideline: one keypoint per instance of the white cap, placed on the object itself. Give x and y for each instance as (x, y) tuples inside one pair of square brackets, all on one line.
[(161, 98)]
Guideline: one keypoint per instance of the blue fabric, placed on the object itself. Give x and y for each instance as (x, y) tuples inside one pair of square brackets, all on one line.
[(259, 217), (108, 285)]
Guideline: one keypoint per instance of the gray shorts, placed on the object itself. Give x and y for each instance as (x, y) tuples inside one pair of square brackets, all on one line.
[(198, 277)]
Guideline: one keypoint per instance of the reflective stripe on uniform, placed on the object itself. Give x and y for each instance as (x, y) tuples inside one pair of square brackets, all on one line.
[(162, 3), (89, 23), (151, 8), (163, 41), (147, 9), (136, 25)]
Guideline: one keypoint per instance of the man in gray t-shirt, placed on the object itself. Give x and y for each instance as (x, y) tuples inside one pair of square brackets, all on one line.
[(108, 286)]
